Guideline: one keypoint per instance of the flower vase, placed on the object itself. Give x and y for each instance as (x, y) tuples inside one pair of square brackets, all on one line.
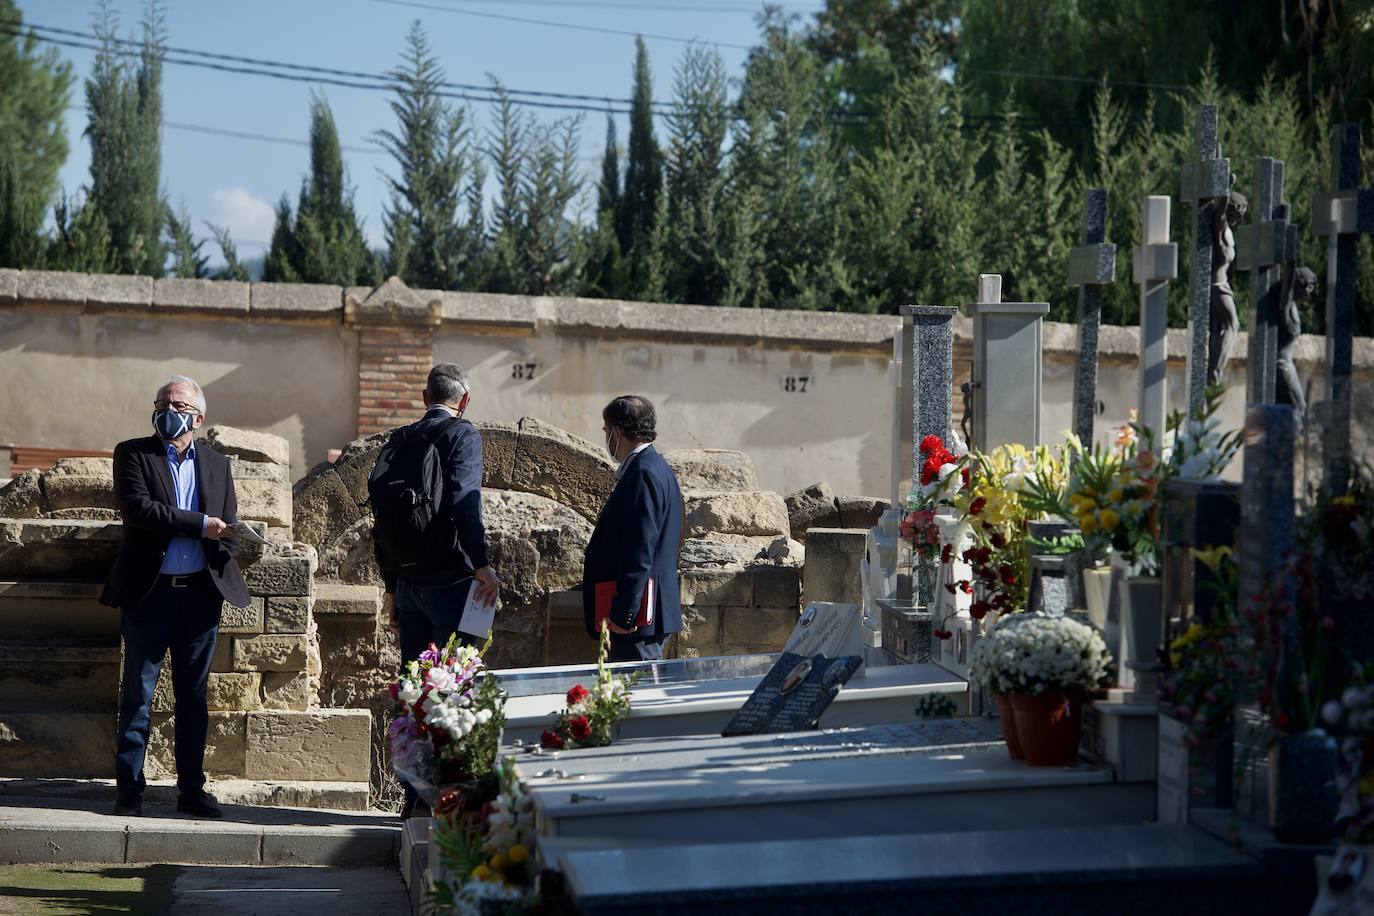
[(1007, 716), (1142, 626), (1049, 727), (1302, 787), (1096, 583)]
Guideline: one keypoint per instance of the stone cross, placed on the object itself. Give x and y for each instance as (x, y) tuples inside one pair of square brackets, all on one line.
[(1153, 265), (1091, 265), (1341, 216), (932, 402), (1262, 246), (1006, 367), (1203, 181)]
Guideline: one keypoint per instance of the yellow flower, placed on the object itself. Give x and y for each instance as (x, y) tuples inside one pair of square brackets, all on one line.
[(518, 853), (1109, 520), (1089, 491), (1115, 496), (499, 861), (498, 877), (1212, 558), (1088, 524), (481, 873)]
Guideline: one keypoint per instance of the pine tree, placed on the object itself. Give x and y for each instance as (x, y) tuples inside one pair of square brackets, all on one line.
[(33, 141), (125, 131), (188, 262), (431, 245), (643, 179), (233, 268), (326, 242), (697, 128)]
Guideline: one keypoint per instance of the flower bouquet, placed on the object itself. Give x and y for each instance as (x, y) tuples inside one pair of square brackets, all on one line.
[(591, 715), (449, 717), (943, 477), (1205, 661), (1039, 669)]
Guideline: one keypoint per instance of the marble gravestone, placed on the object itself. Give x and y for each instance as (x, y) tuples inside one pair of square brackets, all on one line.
[(1005, 386), (1154, 264), (1203, 182), (1341, 216), (1262, 247), (1091, 265), (793, 695)]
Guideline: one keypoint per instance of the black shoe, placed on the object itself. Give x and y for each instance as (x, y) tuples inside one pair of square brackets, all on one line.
[(128, 806), (203, 805)]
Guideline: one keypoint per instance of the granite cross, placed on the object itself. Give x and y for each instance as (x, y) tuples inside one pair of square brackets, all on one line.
[(1091, 265), (1153, 265), (1203, 182), (1262, 246), (1006, 367), (1341, 216)]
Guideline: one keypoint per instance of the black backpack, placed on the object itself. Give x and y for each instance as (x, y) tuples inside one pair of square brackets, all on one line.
[(406, 488)]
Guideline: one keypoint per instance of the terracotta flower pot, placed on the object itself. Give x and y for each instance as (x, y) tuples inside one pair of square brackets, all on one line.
[(1008, 719), (1048, 727)]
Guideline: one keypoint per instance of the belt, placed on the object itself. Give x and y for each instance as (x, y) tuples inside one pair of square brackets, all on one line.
[(182, 581)]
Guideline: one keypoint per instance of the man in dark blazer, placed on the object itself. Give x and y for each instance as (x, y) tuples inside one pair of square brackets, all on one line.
[(634, 548), (174, 570)]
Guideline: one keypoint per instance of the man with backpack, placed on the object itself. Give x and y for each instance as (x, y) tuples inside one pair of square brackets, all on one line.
[(426, 495)]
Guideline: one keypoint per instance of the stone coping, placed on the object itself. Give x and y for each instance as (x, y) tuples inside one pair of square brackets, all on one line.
[(494, 313)]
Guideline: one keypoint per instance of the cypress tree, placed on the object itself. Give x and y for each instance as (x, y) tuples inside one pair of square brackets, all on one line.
[(282, 253), (125, 131), (430, 244), (696, 179), (188, 262), (604, 272), (643, 179), (233, 269)]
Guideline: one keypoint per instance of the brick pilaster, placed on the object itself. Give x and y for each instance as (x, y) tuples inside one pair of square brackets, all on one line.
[(392, 366)]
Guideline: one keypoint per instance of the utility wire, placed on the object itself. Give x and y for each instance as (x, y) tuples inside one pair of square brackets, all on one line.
[(751, 8), (564, 25)]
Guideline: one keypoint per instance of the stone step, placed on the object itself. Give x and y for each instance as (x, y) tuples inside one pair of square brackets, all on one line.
[(55, 611), (33, 548), (59, 677), (64, 743), (336, 599), (49, 831), (260, 793)]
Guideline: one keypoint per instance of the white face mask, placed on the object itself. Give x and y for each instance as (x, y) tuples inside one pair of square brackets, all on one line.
[(612, 449)]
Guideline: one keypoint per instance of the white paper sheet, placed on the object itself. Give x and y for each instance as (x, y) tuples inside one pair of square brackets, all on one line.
[(477, 618)]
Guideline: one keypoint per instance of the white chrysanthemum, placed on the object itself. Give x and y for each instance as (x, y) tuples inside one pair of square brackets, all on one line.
[(409, 691)]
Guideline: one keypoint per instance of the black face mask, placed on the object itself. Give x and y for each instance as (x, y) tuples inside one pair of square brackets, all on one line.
[(170, 424)]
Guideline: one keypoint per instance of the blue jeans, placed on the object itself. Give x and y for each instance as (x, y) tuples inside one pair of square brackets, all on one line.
[(428, 609), (186, 622)]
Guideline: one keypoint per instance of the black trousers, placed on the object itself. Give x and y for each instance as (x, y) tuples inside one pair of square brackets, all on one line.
[(185, 621), (636, 649)]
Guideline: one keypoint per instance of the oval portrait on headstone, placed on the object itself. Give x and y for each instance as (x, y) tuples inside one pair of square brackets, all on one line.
[(833, 673), (808, 616), (796, 676)]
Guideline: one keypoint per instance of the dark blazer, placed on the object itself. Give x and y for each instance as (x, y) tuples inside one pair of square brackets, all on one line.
[(148, 507), (460, 448), (637, 536)]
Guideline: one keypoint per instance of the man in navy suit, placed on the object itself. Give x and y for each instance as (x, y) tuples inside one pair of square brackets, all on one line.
[(175, 568), (634, 549)]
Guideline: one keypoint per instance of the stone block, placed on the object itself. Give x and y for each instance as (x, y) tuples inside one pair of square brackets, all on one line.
[(812, 507), (244, 469), (860, 511), (195, 843), (717, 585), (287, 615), (270, 652), (334, 599), (323, 508), (212, 297), (281, 575), (832, 572), (332, 744), (223, 659), (563, 467), (264, 501), (246, 621), (499, 441), (71, 491), (700, 634), (226, 691), (9, 285), (55, 844), (295, 300), (375, 846), (23, 496), (707, 553), (115, 291), (776, 586), (66, 744), (756, 629), (350, 642), (712, 469), (53, 287), (247, 444), (757, 513), (224, 745), (285, 690), (50, 549)]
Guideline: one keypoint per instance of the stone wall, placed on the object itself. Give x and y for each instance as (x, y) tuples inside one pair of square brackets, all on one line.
[(270, 739), (805, 394)]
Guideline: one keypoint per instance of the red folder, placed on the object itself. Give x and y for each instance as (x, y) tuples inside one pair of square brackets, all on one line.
[(605, 591)]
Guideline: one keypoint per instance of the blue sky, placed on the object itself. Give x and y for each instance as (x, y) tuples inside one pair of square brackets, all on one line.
[(235, 182)]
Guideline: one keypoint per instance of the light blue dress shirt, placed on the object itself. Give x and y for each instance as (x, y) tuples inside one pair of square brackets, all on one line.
[(184, 555)]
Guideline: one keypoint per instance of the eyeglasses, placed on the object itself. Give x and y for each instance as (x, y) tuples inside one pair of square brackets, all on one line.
[(178, 406)]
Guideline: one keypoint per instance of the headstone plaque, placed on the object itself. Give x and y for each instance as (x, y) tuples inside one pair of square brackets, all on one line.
[(793, 695), (827, 628)]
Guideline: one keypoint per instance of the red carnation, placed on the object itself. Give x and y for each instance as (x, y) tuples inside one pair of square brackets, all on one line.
[(450, 802), (577, 694), (966, 587), (946, 552), (395, 692), (977, 505), (964, 472), (1007, 573), (551, 740), (930, 444), (949, 587), (941, 634), (979, 609), (580, 727)]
